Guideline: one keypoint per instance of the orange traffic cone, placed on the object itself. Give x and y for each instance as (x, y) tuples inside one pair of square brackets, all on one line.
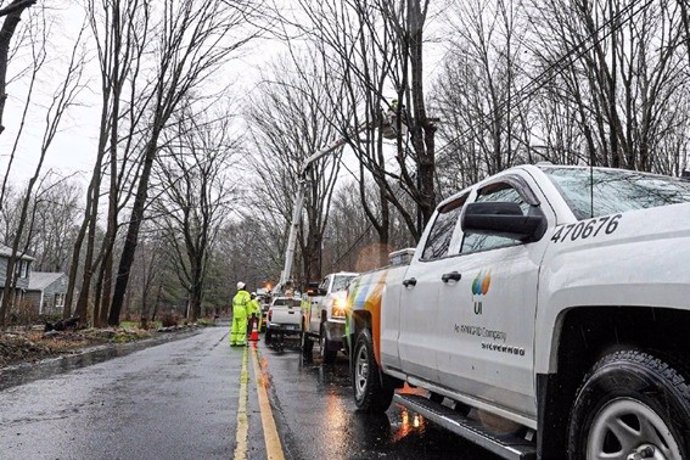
[(255, 332)]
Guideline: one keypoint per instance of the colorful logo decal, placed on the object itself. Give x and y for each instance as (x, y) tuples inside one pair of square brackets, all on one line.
[(481, 284)]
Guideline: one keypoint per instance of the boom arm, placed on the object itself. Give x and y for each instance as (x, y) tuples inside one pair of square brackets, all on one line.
[(299, 205)]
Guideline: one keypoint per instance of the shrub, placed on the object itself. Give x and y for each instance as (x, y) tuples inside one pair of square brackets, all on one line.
[(169, 320)]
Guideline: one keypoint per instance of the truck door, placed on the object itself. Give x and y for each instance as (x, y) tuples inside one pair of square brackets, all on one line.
[(486, 319), (419, 296), (315, 310)]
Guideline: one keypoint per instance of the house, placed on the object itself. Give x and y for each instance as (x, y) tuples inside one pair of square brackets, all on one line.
[(22, 268), (46, 292)]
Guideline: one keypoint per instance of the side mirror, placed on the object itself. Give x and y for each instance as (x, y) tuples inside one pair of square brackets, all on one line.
[(503, 219)]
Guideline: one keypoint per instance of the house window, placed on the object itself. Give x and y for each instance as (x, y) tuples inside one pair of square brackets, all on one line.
[(19, 269), (59, 300)]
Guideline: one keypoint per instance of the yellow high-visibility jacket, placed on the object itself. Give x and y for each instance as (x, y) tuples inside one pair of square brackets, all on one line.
[(241, 304)]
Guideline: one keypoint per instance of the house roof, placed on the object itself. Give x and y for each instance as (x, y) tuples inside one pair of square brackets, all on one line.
[(38, 281), (6, 251)]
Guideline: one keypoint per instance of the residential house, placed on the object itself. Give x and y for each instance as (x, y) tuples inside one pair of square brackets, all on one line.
[(22, 268), (46, 292)]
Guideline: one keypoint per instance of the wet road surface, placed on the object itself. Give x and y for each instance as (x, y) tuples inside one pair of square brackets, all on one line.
[(315, 410), (191, 399)]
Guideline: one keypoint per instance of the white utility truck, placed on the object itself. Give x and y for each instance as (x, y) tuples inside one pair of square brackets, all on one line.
[(323, 316), (283, 319), (554, 300)]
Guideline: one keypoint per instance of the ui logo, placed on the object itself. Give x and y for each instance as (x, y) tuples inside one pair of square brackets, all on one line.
[(480, 287)]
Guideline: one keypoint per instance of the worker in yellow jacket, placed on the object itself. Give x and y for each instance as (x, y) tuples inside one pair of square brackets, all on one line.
[(254, 313), (240, 310)]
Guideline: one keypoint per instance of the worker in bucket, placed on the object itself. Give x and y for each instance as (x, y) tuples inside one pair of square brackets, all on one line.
[(254, 313), (240, 309)]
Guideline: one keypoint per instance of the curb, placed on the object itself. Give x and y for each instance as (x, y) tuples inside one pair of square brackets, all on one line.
[(20, 374)]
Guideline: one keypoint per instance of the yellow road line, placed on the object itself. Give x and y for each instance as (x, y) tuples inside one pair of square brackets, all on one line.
[(242, 434), (274, 449)]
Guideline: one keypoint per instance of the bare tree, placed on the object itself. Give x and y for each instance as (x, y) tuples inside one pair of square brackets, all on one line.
[(196, 193), (12, 14), (194, 41), (290, 120), (120, 29), (37, 31), (63, 97), (624, 75), (488, 128)]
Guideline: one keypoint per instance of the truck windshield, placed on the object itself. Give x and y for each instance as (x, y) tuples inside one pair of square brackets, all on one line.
[(340, 282), (287, 302), (615, 191)]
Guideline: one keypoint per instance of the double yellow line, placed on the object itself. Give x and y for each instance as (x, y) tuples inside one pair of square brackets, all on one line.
[(274, 449)]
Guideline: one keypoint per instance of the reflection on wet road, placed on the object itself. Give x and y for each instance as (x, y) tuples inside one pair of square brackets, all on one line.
[(190, 399), (317, 418)]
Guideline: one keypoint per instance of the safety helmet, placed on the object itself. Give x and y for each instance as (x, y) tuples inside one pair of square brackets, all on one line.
[(240, 285)]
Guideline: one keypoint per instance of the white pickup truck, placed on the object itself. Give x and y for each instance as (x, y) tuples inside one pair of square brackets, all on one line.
[(555, 300), (323, 317), (283, 319)]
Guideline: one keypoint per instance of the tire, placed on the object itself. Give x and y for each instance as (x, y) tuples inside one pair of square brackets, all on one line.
[(630, 401), (267, 337), (307, 345), (328, 353), (371, 394)]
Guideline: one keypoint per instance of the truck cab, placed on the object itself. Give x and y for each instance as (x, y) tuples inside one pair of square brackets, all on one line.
[(323, 316), (547, 298)]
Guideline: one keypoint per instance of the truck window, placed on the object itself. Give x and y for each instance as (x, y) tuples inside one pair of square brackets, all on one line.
[(438, 242), (601, 192), (341, 282), (494, 192)]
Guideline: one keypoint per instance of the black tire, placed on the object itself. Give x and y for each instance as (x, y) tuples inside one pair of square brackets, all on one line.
[(307, 345), (267, 337), (326, 348), (638, 391), (372, 395)]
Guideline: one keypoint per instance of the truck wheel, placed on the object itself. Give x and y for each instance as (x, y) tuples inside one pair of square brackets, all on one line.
[(371, 394), (631, 405), (267, 337), (328, 353), (307, 346)]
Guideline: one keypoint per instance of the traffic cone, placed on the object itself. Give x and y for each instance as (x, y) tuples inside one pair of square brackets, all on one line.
[(255, 332)]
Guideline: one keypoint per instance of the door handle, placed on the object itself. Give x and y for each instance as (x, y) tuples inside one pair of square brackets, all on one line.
[(410, 282), (454, 276)]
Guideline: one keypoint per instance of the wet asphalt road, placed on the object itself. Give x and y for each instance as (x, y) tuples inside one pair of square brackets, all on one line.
[(179, 400)]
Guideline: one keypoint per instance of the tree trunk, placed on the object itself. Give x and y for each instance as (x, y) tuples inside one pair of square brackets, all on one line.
[(136, 218)]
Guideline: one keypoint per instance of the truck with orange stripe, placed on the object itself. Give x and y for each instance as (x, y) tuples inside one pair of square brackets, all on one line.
[(542, 315)]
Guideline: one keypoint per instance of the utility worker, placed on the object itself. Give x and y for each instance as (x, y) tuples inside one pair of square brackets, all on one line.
[(240, 308), (254, 313)]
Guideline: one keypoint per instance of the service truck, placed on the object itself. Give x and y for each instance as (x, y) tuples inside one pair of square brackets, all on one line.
[(283, 319), (323, 316), (555, 299)]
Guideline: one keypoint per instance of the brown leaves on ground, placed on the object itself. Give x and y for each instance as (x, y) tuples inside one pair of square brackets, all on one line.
[(32, 346)]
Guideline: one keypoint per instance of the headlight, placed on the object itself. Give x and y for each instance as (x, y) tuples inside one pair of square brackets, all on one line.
[(339, 308)]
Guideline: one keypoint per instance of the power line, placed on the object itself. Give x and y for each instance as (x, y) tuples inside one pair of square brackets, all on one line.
[(547, 74)]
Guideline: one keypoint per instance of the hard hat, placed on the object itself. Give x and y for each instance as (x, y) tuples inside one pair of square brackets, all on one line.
[(240, 285)]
